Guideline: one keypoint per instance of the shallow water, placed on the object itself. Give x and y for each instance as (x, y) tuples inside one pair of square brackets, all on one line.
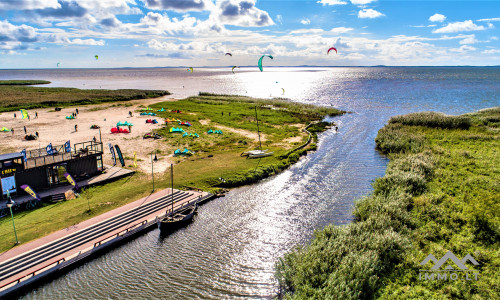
[(231, 248)]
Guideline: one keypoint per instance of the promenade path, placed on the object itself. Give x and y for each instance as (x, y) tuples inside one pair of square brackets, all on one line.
[(32, 259)]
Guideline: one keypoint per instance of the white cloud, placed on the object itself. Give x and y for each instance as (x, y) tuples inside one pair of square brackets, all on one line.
[(459, 26), (306, 31), (339, 30), (437, 18), (279, 19), (305, 21), (494, 38), (332, 2), (21, 33), (471, 39), (28, 4), (362, 2), (90, 42), (489, 20), (241, 13), (369, 13), (463, 49), (491, 51), (179, 5)]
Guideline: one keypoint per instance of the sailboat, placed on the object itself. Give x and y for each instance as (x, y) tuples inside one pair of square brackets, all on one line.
[(257, 153), (180, 218)]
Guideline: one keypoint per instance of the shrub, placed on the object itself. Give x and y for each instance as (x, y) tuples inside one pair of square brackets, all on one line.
[(433, 120)]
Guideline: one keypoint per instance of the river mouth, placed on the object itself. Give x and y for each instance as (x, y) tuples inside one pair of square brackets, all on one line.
[(231, 248)]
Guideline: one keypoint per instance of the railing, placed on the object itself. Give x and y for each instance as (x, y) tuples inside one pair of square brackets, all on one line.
[(39, 157), (18, 280), (115, 235)]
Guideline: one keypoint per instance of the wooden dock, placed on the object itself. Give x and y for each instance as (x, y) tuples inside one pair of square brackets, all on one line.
[(30, 263)]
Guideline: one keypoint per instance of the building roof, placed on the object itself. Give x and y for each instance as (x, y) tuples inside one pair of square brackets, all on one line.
[(10, 156)]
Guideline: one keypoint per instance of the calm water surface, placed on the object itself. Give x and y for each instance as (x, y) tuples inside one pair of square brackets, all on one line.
[(231, 248)]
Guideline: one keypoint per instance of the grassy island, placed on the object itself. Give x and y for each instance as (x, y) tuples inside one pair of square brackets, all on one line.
[(216, 163), (17, 94), (440, 193)]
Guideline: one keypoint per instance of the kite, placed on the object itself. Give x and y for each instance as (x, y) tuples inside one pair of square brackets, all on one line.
[(331, 50), (260, 61), (232, 69), (58, 64), (229, 54), (96, 57), (24, 113), (283, 90), (190, 69)]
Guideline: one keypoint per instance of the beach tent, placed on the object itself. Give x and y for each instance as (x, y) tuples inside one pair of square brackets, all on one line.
[(70, 117), (147, 114), (173, 129), (217, 131), (186, 151), (152, 121), (185, 123), (210, 131), (162, 109), (147, 108), (176, 111), (5, 129), (119, 130), (124, 124)]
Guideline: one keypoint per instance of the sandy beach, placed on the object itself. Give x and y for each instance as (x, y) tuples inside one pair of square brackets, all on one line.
[(53, 127)]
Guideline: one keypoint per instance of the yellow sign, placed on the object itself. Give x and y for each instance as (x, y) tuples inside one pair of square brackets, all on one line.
[(8, 171)]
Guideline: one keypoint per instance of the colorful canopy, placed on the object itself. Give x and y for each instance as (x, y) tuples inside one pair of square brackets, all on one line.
[(5, 129), (124, 124), (173, 129), (70, 117)]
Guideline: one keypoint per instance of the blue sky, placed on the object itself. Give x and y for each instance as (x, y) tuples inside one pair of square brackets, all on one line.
[(155, 33)]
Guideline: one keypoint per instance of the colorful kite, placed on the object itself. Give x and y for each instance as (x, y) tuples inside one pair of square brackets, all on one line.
[(260, 61), (232, 69), (331, 50), (96, 57), (190, 69), (229, 54), (24, 113), (120, 156)]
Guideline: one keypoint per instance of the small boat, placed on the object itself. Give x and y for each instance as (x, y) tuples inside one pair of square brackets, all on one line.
[(260, 154), (254, 152), (178, 220)]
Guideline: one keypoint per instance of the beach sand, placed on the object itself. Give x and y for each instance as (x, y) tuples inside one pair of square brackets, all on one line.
[(53, 127)]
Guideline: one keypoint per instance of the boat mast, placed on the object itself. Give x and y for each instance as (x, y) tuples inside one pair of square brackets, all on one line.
[(172, 189), (258, 130)]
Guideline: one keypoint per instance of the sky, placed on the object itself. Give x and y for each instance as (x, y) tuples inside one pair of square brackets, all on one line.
[(169, 33)]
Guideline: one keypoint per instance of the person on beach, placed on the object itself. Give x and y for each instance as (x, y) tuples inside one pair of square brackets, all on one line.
[(336, 128), (130, 113), (36, 115), (129, 128), (77, 111), (222, 114), (36, 133), (94, 139), (76, 128), (14, 115), (29, 118), (24, 129), (12, 129)]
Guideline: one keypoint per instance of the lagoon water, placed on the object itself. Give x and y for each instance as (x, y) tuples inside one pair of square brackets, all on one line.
[(229, 252)]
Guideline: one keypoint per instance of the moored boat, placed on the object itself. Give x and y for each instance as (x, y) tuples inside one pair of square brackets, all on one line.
[(179, 219)]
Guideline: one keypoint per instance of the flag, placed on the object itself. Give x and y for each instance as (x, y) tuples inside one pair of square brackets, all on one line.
[(30, 191), (112, 150), (135, 159), (120, 156), (67, 146), (49, 149), (71, 180), (24, 113)]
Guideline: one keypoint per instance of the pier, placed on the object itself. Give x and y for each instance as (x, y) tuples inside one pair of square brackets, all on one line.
[(30, 263)]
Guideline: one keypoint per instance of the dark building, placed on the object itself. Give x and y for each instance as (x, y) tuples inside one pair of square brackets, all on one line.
[(44, 168)]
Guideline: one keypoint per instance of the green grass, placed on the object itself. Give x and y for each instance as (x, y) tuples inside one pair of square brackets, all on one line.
[(15, 97), (440, 193), (23, 82), (199, 170)]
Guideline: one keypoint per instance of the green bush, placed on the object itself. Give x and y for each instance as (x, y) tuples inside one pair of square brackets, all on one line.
[(433, 120)]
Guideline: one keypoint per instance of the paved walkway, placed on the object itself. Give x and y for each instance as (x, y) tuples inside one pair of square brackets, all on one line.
[(22, 261)]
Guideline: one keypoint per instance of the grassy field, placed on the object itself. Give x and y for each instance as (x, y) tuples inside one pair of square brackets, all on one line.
[(15, 95), (217, 156), (440, 193), (23, 82)]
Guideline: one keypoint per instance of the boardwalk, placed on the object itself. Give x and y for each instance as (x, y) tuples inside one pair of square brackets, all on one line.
[(31, 260)]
